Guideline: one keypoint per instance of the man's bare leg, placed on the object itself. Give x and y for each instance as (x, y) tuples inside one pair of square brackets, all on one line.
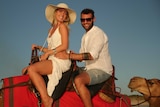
[(81, 81)]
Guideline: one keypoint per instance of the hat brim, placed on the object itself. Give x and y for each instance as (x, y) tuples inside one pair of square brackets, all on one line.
[(50, 9)]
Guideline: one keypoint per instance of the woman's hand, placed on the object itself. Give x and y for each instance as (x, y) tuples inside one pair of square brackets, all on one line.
[(34, 46), (44, 56)]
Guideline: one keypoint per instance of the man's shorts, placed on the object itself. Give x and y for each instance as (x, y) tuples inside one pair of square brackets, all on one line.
[(96, 76)]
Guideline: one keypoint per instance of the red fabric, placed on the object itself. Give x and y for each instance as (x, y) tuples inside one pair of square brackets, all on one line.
[(21, 96), (71, 99)]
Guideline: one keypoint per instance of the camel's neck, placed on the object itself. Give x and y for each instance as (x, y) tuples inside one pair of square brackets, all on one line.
[(154, 102)]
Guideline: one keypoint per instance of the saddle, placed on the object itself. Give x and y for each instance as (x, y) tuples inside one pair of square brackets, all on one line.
[(105, 90)]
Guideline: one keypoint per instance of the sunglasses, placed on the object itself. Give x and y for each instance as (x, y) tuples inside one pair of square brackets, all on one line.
[(86, 19)]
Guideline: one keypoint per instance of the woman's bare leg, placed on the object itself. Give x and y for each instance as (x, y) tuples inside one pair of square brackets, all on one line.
[(35, 73)]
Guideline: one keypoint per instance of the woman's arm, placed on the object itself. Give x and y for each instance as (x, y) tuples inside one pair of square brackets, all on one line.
[(64, 31)]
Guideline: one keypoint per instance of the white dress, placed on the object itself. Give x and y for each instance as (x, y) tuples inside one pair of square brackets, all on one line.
[(59, 65)]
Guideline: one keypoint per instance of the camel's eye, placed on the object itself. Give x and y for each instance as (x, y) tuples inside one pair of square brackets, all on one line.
[(150, 82)]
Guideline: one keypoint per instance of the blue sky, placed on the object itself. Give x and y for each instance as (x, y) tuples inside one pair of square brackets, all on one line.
[(133, 28)]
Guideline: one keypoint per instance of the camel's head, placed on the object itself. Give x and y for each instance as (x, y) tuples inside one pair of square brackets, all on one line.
[(150, 87)]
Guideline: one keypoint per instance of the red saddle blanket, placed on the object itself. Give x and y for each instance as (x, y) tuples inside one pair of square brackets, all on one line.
[(19, 95), (71, 99)]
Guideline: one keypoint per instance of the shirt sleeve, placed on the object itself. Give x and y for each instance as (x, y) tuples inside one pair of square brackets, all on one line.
[(97, 41)]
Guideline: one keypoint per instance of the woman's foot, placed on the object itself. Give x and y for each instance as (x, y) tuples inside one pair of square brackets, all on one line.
[(48, 102)]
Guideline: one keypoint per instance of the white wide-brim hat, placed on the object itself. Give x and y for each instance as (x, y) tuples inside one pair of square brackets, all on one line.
[(50, 9)]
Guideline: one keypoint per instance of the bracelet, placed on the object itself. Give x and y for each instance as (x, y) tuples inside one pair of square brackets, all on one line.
[(54, 51)]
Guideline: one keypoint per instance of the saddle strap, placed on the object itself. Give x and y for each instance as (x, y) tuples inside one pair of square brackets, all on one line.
[(11, 103), (11, 91), (15, 85)]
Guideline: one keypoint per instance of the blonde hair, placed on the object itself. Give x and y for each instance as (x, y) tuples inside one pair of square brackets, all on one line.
[(66, 21)]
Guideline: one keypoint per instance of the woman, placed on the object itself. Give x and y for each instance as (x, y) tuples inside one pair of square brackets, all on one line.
[(60, 17)]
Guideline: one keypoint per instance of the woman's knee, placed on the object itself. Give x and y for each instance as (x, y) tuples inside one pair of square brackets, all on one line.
[(24, 70), (30, 69)]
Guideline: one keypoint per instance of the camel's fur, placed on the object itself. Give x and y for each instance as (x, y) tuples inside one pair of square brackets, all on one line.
[(152, 89)]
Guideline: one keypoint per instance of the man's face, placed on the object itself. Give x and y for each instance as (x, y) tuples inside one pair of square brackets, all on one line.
[(87, 21)]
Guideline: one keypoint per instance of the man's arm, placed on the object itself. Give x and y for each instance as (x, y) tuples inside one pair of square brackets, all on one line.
[(80, 57), (74, 56)]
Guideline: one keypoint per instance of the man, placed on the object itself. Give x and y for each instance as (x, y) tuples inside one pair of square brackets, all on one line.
[(94, 52)]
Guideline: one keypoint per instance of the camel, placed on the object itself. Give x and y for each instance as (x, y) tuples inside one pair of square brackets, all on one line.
[(150, 89)]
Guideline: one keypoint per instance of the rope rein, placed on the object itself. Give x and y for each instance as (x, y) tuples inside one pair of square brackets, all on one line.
[(150, 95)]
